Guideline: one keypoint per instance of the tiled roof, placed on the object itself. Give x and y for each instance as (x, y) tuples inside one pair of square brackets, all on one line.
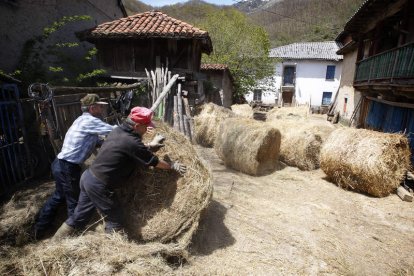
[(308, 50), (147, 24), (207, 66)]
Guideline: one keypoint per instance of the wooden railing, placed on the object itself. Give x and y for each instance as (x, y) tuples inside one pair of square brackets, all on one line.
[(390, 65)]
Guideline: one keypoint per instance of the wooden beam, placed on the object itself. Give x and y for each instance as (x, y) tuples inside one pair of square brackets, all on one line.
[(58, 90), (398, 104)]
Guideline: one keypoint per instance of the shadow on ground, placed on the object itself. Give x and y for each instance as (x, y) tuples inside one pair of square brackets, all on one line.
[(212, 233)]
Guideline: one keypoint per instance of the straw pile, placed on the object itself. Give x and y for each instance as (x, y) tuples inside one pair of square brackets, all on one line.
[(296, 112), (248, 146), (17, 216), (206, 124), (302, 141), (96, 254), (366, 161), (161, 205), (242, 110)]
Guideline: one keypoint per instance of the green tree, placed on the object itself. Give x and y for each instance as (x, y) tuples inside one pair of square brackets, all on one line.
[(240, 44)]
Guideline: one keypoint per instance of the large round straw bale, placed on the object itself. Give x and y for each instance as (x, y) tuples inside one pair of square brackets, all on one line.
[(206, 124), (248, 146), (160, 205), (302, 141), (242, 110), (296, 113), (366, 161)]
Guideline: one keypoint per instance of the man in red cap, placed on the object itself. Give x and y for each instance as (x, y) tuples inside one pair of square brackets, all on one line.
[(122, 151)]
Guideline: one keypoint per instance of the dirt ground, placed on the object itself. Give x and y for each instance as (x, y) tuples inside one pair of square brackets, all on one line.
[(295, 222)]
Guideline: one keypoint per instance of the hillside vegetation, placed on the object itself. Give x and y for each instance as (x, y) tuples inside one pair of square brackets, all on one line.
[(305, 20), (286, 21)]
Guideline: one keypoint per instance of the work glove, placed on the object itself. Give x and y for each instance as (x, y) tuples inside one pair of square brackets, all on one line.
[(156, 143), (178, 167)]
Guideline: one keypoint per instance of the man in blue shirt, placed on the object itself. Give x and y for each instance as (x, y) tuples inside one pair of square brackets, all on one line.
[(80, 141)]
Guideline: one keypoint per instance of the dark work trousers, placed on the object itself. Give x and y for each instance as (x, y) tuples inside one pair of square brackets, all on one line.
[(67, 177), (95, 194)]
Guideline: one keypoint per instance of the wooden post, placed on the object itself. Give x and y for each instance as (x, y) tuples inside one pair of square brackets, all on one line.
[(164, 92), (180, 109), (176, 124), (189, 118)]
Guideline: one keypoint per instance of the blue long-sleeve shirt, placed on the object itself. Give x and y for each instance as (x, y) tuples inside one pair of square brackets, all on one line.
[(82, 137)]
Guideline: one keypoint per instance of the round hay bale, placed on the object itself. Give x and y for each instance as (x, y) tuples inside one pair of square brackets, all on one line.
[(301, 149), (366, 161), (294, 112), (206, 124), (302, 141), (242, 110), (161, 205), (248, 146)]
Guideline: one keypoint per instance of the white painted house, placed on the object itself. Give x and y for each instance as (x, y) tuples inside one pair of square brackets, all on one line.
[(307, 73)]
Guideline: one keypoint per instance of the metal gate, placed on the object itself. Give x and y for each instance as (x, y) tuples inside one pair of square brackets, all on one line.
[(14, 154)]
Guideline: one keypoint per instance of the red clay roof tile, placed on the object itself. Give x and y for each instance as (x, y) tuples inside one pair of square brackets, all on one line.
[(209, 66), (147, 24)]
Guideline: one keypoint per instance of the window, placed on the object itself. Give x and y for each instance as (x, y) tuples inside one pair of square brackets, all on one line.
[(330, 72), (257, 95), (326, 98)]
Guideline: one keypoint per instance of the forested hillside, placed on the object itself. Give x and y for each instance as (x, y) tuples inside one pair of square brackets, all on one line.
[(286, 21), (305, 20)]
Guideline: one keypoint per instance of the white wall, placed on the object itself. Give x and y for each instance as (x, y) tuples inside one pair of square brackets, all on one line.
[(311, 81)]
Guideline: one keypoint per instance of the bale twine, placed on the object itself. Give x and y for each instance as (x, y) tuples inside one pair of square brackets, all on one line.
[(206, 124), (366, 161), (296, 112), (160, 204), (248, 146), (242, 110), (302, 141)]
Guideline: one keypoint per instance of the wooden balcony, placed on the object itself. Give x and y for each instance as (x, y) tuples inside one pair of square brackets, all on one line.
[(391, 68)]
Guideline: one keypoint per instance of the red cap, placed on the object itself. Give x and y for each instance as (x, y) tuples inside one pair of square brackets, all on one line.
[(141, 115)]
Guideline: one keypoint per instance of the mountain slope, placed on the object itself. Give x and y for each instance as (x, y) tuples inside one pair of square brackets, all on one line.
[(286, 21)]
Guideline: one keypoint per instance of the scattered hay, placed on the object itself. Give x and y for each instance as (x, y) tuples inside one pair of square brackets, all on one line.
[(242, 110), (17, 216), (296, 113), (206, 124), (161, 205), (97, 254), (302, 141), (248, 146), (366, 161), (161, 208)]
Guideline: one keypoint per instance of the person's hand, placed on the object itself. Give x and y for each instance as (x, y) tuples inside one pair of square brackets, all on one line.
[(156, 143), (178, 167)]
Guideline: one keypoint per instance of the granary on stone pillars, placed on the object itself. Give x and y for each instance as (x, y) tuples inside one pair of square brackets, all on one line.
[(146, 41)]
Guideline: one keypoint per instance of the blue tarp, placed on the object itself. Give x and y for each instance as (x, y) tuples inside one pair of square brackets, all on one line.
[(392, 119)]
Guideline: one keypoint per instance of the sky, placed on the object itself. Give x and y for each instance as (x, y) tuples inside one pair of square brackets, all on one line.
[(158, 3)]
